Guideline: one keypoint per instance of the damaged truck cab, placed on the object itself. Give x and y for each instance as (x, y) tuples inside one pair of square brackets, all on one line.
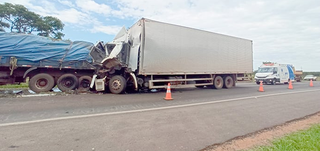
[(112, 71)]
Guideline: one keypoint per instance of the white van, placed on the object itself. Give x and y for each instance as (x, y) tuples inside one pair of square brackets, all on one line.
[(272, 73)]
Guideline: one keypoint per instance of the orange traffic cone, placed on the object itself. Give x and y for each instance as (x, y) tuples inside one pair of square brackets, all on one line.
[(290, 85), (311, 83), (168, 94), (261, 87)]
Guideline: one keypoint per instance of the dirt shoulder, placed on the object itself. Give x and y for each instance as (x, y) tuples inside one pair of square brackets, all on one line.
[(265, 136)]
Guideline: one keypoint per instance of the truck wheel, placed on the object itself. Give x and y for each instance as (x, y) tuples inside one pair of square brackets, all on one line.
[(84, 83), (273, 82), (67, 82), (41, 82), (217, 82), (228, 82), (286, 82), (117, 84)]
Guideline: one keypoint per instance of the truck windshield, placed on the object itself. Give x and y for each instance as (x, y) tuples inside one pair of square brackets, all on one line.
[(265, 70)]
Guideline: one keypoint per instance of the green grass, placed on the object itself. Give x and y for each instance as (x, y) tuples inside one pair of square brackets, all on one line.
[(306, 140), (12, 86)]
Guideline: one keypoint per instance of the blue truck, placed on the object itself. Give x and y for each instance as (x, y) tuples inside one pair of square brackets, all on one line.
[(47, 62)]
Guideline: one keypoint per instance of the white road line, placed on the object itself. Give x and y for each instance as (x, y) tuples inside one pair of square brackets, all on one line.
[(151, 109)]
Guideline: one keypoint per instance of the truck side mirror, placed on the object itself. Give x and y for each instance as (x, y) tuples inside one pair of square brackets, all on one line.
[(274, 72)]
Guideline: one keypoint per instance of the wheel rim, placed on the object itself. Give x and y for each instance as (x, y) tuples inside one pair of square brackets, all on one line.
[(218, 82), (228, 82), (41, 83), (116, 84), (85, 83), (67, 82)]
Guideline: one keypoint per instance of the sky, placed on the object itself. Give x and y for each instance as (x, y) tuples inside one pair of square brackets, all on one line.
[(282, 31)]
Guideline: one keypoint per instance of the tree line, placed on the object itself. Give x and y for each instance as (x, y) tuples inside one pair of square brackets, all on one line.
[(17, 18)]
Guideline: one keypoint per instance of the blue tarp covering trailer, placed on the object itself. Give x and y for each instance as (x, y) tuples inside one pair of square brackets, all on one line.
[(32, 50), (46, 62)]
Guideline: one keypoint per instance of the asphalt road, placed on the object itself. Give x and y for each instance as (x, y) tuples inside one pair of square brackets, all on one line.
[(195, 118)]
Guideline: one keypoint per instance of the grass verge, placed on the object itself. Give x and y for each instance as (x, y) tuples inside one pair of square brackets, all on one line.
[(302, 140), (13, 86)]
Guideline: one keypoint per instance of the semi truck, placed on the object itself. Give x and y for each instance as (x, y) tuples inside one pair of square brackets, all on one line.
[(46, 62), (151, 54), (298, 75), (272, 73)]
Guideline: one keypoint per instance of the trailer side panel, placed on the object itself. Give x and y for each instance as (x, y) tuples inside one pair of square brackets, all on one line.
[(172, 49)]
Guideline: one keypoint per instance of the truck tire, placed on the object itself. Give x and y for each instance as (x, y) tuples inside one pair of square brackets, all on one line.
[(67, 82), (217, 82), (228, 82), (117, 84), (41, 82), (286, 82), (273, 82), (84, 83)]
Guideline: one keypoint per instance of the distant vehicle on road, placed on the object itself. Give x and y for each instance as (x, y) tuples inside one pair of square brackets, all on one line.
[(297, 75), (310, 77), (271, 73)]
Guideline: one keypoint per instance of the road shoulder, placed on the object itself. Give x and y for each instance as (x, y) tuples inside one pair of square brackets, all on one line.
[(265, 136)]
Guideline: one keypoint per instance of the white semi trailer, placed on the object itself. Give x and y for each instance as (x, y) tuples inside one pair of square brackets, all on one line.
[(151, 54)]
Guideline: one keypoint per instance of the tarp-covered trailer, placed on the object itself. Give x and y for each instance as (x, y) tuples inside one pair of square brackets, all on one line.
[(151, 54), (45, 61)]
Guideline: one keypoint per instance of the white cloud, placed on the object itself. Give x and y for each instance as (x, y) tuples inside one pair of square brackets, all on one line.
[(92, 6), (44, 7), (73, 16), (70, 15), (67, 3), (110, 30), (21, 2)]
